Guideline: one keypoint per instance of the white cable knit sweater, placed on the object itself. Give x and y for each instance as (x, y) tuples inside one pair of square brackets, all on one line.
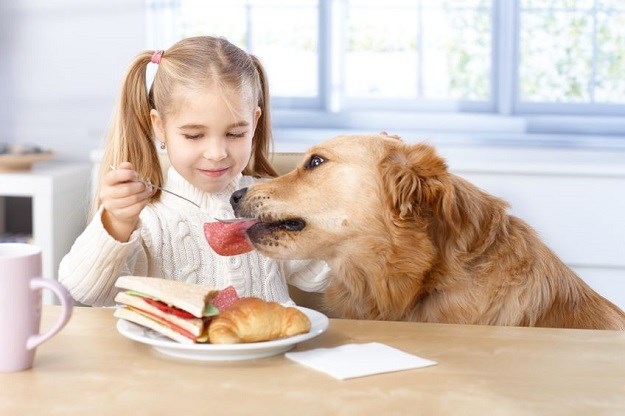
[(169, 243)]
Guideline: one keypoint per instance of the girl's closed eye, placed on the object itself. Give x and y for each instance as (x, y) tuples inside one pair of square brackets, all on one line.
[(236, 134), (193, 136)]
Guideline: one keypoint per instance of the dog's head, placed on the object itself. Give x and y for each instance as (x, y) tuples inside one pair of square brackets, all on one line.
[(346, 190)]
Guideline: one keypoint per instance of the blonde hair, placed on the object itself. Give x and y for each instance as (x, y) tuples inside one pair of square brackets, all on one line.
[(196, 62)]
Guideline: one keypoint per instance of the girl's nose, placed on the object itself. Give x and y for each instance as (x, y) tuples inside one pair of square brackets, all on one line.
[(215, 149)]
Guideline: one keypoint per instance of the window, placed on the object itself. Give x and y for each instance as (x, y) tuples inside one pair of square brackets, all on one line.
[(283, 34), (578, 58), (341, 63)]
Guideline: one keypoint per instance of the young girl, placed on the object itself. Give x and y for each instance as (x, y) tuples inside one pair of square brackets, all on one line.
[(209, 107)]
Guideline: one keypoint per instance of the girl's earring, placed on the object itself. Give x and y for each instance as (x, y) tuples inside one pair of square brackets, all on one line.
[(162, 145)]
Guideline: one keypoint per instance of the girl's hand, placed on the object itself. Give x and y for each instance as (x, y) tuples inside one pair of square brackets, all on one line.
[(123, 198)]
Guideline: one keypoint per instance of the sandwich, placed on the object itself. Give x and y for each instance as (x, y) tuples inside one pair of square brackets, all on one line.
[(192, 313), (178, 310)]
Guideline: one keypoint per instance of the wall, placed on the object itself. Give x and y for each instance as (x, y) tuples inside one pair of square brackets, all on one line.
[(62, 63)]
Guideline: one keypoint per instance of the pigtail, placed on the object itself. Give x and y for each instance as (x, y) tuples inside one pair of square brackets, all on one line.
[(262, 141), (130, 136)]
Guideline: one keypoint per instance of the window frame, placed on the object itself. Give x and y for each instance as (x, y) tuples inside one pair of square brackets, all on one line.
[(504, 113)]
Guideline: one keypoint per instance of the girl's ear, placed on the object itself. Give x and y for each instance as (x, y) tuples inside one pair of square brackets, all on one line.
[(157, 125), (257, 114)]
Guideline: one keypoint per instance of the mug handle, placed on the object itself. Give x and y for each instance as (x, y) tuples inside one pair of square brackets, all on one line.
[(66, 302)]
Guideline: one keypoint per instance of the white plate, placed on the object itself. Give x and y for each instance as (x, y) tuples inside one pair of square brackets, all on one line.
[(222, 352)]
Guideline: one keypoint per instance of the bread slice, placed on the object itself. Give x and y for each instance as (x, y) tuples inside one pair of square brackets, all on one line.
[(137, 318), (194, 326), (189, 297)]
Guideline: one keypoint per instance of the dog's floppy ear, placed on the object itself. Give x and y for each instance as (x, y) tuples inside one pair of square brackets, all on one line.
[(417, 178)]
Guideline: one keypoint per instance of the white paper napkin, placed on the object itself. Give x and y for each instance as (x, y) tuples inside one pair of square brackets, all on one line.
[(358, 360)]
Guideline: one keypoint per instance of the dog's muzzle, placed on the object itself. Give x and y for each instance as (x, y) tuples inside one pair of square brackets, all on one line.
[(289, 224), (236, 198)]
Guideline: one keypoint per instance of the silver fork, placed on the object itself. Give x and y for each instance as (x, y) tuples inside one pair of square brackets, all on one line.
[(148, 183)]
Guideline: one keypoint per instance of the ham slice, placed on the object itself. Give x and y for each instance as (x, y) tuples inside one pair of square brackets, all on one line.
[(229, 238), (225, 298)]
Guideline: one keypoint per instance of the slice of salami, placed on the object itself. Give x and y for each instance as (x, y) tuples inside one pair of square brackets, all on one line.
[(229, 239), (225, 298)]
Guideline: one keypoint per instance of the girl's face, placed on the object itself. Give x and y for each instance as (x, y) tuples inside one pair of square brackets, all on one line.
[(208, 136)]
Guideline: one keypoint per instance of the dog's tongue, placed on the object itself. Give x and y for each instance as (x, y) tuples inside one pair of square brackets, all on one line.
[(229, 238)]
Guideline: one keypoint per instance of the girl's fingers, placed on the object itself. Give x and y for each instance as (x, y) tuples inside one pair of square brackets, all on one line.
[(124, 194), (125, 165), (128, 200), (125, 208), (123, 197), (121, 174), (121, 190)]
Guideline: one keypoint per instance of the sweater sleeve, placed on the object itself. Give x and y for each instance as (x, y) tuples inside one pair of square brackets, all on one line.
[(307, 275), (96, 260)]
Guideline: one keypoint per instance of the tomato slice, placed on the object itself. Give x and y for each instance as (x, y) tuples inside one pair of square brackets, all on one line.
[(169, 309)]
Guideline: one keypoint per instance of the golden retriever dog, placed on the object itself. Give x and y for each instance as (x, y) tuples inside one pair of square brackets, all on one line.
[(406, 239)]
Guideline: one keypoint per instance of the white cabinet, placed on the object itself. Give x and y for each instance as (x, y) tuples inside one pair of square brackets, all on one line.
[(60, 195)]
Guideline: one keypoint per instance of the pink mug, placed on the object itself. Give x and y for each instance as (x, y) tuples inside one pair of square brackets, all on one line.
[(20, 305)]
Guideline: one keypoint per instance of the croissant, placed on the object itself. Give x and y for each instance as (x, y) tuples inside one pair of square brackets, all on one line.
[(253, 320)]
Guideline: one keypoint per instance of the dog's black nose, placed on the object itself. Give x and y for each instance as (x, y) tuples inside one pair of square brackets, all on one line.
[(236, 197)]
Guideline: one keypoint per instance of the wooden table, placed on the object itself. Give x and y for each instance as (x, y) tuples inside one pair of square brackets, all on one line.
[(90, 369)]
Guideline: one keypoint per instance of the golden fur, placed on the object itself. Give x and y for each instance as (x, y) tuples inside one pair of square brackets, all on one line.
[(408, 240)]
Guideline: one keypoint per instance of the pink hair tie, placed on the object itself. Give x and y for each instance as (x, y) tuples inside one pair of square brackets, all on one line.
[(156, 57)]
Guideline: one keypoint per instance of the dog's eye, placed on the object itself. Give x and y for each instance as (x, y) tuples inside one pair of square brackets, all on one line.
[(315, 161)]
